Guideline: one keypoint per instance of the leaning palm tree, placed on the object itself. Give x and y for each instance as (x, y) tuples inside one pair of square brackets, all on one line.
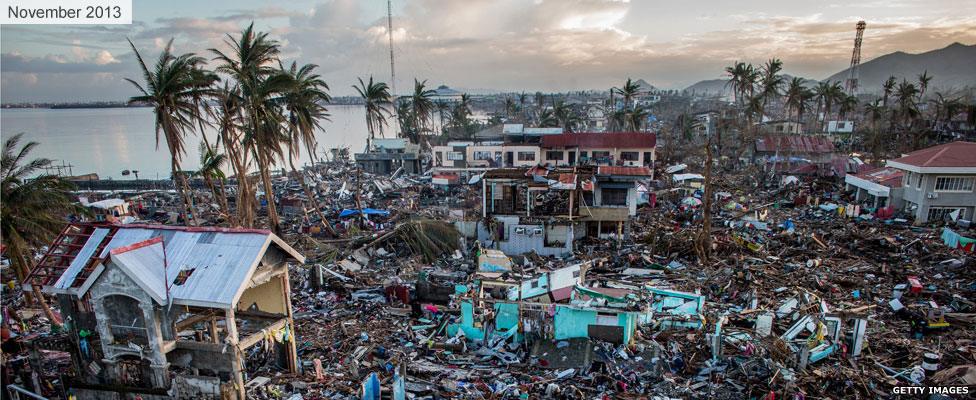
[(33, 209), (305, 105), (377, 99), (173, 87)]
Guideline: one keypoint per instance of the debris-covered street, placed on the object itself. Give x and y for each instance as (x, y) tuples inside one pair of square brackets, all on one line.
[(801, 292)]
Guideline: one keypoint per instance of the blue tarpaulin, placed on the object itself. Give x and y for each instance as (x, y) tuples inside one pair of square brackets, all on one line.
[(366, 211)]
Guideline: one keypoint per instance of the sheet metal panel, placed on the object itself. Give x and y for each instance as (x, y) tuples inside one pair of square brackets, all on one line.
[(85, 254), (222, 262)]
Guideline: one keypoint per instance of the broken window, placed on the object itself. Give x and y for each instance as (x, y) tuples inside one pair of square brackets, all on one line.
[(554, 156), (614, 197), (455, 156), (526, 156), (482, 155), (629, 156)]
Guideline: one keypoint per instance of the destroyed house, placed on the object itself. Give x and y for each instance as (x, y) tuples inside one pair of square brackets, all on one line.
[(546, 209), (169, 311), (386, 156), (793, 150), (632, 149)]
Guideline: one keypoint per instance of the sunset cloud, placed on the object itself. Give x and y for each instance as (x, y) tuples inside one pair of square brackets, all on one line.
[(500, 44)]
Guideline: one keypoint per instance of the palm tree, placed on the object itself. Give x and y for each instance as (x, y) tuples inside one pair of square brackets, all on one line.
[(422, 107), (376, 96), (211, 169), (251, 63), (923, 83), (522, 97), (548, 119), (771, 81), (565, 116), (540, 103), (628, 91), (33, 209), (833, 95), (795, 96), (945, 108), (460, 117), (442, 106), (229, 122), (740, 79), (637, 117), (821, 92), (510, 107), (305, 105), (875, 112), (907, 111), (173, 87), (888, 86)]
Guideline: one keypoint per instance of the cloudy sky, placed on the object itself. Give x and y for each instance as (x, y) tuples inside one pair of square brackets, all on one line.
[(527, 45)]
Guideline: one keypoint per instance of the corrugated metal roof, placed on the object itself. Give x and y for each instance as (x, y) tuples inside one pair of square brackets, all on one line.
[(78, 263), (222, 260), (144, 263), (795, 143)]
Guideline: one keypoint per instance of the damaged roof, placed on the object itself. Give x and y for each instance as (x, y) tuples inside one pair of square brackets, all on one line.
[(601, 140), (219, 262), (795, 143)]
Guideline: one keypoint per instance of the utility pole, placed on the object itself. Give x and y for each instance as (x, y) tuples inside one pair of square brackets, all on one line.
[(389, 31)]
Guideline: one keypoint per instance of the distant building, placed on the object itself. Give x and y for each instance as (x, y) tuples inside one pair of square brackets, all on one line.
[(781, 127), (816, 154), (444, 94), (596, 117), (389, 155), (840, 126), (612, 148), (939, 181)]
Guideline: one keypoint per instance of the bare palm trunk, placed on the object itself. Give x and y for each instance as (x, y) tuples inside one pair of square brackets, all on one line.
[(222, 190), (263, 165), (703, 243), (183, 187)]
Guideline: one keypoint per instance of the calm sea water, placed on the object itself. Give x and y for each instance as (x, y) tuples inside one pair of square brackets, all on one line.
[(107, 141)]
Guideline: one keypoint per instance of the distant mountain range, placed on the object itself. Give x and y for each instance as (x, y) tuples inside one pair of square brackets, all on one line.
[(951, 67)]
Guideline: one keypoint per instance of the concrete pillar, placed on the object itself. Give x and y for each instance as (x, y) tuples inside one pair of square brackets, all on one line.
[(158, 363)]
